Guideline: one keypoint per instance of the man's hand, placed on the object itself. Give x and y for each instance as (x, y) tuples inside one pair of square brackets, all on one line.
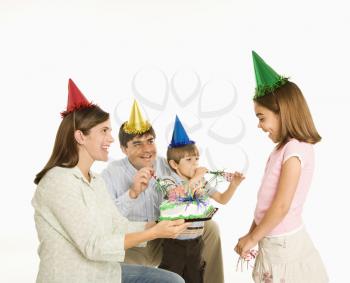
[(141, 180)]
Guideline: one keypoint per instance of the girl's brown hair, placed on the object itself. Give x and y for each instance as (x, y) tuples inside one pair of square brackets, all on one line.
[(65, 150), (296, 121)]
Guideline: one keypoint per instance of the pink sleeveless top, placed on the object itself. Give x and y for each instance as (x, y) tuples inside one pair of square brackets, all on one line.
[(293, 219)]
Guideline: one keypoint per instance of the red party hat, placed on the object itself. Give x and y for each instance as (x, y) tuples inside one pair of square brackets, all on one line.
[(76, 99)]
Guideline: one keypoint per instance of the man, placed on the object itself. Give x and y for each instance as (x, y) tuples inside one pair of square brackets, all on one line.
[(132, 185)]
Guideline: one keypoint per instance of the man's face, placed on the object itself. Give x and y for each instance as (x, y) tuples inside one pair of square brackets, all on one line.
[(141, 151)]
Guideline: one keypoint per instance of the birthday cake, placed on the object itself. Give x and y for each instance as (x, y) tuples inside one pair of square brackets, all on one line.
[(189, 210), (183, 203)]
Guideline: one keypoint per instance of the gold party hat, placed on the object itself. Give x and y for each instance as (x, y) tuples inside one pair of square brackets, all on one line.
[(136, 124)]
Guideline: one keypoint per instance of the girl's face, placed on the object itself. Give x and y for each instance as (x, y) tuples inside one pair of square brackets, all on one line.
[(186, 167), (99, 139), (269, 122)]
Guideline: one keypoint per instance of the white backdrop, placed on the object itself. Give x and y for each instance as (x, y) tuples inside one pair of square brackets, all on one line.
[(104, 45)]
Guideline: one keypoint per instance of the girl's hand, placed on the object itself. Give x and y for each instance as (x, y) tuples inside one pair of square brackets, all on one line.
[(235, 178), (169, 229), (244, 245)]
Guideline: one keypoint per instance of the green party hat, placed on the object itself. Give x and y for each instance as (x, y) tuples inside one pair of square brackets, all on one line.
[(267, 80)]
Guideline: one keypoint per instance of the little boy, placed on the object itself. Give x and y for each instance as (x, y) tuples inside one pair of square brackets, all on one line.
[(183, 255)]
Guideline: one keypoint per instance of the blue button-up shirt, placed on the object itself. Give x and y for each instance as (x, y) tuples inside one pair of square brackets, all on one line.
[(119, 177)]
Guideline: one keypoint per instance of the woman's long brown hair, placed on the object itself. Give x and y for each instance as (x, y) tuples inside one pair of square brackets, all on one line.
[(65, 150)]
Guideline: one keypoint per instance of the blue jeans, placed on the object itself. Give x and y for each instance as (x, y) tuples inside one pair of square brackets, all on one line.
[(142, 274)]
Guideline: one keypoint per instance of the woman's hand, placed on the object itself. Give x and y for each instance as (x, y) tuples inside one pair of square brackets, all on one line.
[(164, 229), (150, 224), (244, 245), (169, 229)]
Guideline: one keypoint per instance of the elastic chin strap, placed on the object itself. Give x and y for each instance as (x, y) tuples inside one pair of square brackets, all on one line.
[(74, 126)]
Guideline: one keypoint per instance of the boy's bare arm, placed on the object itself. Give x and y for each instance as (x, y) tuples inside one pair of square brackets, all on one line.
[(223, 198)]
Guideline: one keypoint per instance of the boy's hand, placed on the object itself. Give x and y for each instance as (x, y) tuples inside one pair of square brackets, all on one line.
[(235, 178), (197, 180), (200, 172)]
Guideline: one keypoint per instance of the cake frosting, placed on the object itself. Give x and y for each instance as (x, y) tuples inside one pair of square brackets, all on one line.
[(170, 210), (182, 202)]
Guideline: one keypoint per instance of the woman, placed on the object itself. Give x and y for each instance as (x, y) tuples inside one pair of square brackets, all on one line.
[(82, 235)]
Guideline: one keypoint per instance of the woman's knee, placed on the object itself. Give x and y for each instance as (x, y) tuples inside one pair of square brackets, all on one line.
[(131, 272), (174, 278), (167, 276)]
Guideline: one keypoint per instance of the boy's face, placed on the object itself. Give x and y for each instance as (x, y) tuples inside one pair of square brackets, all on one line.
[(141, 151), (186, 167)]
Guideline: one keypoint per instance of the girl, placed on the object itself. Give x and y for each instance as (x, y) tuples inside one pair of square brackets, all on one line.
[(82, 235), (286, 253)]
